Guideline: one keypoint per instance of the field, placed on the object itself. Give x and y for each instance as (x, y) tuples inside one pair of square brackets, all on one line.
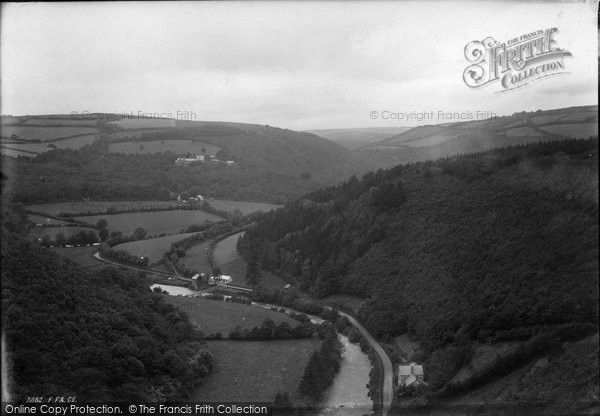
[(351, 301), (80, 255), (212, 316), (12, 152), (196, 258), (522, 131), (59, 122), (161, 146), (583, 130), (244, 207), (255, 371), (38, 219), (155, 222), (144, 123), (33, 149), (232, 264), (99, 207), (52, 232), (44, 133), (153, 248)]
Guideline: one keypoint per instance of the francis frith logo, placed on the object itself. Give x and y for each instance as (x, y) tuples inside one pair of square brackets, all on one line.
[(516, 62)]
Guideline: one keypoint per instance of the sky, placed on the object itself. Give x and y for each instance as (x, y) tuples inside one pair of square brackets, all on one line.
[(298, 65)]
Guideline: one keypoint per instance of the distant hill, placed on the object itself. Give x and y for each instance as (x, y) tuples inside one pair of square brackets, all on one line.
[(359, 137), (430, 142), (135, 158)]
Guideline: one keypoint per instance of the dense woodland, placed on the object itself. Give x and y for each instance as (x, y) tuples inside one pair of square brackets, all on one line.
[(490, 246), (101, 336), (272, 165)]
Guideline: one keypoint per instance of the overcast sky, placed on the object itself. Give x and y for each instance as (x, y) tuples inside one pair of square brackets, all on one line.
[(295, 65)]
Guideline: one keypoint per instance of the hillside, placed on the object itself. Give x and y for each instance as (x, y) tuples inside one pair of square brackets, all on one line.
[(429, 142), (359, 137), (99, 336), (137, 160), (488, 247)]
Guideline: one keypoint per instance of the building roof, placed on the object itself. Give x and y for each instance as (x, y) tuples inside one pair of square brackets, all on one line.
[(196, 276)]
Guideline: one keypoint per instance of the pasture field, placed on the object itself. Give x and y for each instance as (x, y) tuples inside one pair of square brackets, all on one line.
[(99, 207), (38, 219), (196, 258), (36, 148), (226, 250), (144, 123), (82, 122), (153, 248), (130, 133), (161, 146), (547, 118), (581, 116), (52, 232), (583, 130), (44, 133), (212, 316), (233, 264), (522, 131), (244, 207), (255, 370), (80, 255), (13, 152), (154, 222)]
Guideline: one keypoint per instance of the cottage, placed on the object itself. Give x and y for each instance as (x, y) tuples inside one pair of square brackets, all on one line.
[(220, 280), (411, 374)]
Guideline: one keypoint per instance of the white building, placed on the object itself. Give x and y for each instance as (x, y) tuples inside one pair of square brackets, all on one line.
[(188, 160), (410, 374), (220, 280)]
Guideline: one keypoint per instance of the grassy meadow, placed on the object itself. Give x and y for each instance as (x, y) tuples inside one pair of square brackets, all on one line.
[(255, 370), (153, 248), (155, 222)]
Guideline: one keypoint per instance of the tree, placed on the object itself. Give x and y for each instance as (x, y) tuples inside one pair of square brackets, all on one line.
[(253, 273), (60, 240), (103, 234), (139, 233)]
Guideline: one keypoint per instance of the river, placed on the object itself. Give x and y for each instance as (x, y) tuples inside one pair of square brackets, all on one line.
[(348, 396)]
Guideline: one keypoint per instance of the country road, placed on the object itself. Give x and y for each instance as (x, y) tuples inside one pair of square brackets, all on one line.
[(387, 388)]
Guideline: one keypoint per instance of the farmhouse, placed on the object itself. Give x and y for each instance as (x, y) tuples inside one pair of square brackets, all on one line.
[(411, 374), (221, 279), (187, 160)]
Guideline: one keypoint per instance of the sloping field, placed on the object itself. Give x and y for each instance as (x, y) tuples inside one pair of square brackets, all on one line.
[(52, 232), (44, 133), (233, 264), (196, 258), (36, 148), (583, 116), (583, 130), (522, 131), (547, 118), (153, 248), (16, 153), (254, 370), (38, 219), (80, 255), (161, 146), (99, 207), (157, 222), (144, 123), (244, 207), (82, 122)]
